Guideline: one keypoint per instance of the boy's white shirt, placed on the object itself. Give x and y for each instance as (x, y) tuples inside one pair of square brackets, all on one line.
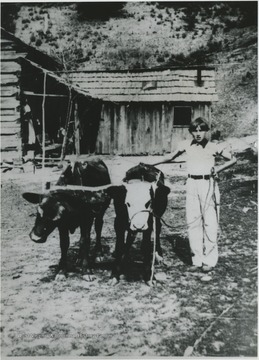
[(199, 160)]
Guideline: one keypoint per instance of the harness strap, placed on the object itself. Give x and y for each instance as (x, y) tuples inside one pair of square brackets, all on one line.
[(138, 213)]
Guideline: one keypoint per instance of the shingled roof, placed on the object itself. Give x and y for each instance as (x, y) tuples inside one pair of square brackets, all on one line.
[(185, 84)]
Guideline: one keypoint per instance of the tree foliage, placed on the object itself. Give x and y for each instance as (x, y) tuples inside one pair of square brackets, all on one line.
[(9, 13), (99, 10)]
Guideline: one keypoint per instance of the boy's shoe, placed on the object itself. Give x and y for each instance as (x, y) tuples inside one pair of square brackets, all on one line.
[(194, 268), (207, 268)]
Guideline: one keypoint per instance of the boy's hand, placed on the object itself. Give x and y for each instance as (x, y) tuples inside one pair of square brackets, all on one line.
[(214, 174)]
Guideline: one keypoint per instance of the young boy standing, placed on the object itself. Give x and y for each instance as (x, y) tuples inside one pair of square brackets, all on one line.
[(202, 193)]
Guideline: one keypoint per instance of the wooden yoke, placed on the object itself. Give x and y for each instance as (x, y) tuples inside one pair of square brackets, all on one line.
[(81, 188)]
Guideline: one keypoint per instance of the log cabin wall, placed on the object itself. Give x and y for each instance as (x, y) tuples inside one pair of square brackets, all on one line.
[(11, 143), (13, 129)]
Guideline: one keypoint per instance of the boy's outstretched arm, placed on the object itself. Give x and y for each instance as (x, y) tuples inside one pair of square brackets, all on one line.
[(231, 161), (170, 157)]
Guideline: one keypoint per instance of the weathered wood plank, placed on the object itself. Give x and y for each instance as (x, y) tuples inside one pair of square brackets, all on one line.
[(9, 154), (141, 76), (148, 127), (9, 131), (10, 67), (112, 125), (106, 130), (7, 55), (9, 79), (12, 113), (9, 141), (8, 47), (10, 125), (10, 118), (161, 98), (137, 92), (158, 141), (116, 128), (9, 103), (7, 91), (31, 93), (169, 125), (101, 136), (112, 85), (124, 132), (163, 125), (5, 41)]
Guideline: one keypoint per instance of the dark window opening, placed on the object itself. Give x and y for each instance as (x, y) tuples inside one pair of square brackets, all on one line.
[(182, 115)]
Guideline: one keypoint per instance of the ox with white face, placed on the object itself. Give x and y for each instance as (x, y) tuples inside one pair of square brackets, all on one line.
[(138, 201), (139, 204)]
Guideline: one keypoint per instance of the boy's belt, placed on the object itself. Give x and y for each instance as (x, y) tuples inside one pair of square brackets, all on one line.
[(199, 177)]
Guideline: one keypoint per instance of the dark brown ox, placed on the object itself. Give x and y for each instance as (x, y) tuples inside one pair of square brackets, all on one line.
[(67, 209)]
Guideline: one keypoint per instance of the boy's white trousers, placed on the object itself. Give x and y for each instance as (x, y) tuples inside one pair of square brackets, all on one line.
[(202, 213)]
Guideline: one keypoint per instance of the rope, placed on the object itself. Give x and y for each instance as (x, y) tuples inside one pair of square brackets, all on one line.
[(190, 349), (183, 226), (154, 251), (154, 234), (136, 213)]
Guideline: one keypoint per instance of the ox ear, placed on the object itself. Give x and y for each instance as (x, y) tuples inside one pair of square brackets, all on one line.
[(60, 212), (33, 198), (161, 189), (165, 189)]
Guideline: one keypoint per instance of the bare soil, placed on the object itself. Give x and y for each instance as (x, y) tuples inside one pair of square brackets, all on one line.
[(42, 316)]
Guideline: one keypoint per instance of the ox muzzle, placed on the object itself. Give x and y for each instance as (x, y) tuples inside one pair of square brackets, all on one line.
[(37, 239)]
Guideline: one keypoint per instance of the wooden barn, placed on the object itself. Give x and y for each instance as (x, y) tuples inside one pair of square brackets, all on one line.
[(145, 111), (12, 127), (38, 106)]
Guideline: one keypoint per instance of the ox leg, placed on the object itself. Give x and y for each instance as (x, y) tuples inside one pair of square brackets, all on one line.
[(98, 251), (85, 242), (125, 257), (147, 254), (64, 245), (159, 252), (119, 250)]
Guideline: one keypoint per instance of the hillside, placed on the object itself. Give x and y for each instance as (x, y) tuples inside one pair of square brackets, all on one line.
[(99, 36)]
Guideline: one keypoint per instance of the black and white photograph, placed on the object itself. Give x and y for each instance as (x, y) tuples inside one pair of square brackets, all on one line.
[(129, 172)]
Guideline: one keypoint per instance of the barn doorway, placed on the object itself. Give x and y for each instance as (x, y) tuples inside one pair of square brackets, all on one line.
[(182, 117)]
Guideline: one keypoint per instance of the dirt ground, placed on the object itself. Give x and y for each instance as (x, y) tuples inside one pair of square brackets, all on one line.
[(184, 313)]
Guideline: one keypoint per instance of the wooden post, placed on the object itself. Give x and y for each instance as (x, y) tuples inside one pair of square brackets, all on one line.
[(69, 107), (77, 129), (163, 137), (172, 130), (124, 130)]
